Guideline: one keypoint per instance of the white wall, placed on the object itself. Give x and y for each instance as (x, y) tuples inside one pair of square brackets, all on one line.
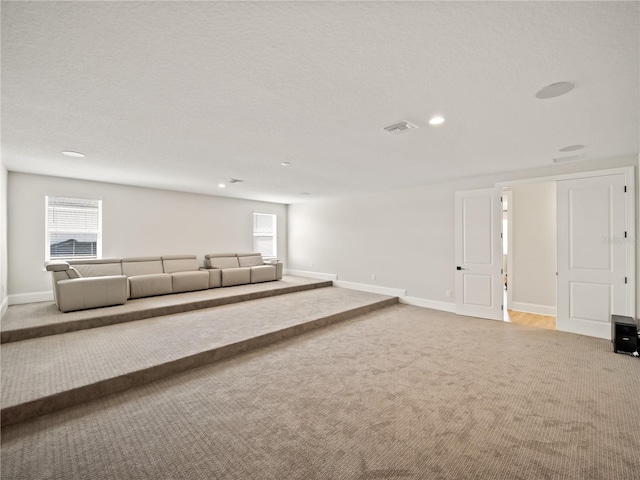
[(532, 279), (3, 239), (135, 222), (405, 237)]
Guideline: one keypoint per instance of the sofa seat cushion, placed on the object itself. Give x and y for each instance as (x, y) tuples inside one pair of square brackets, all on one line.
[(263, 273), (236, 276), (150, 285), (190, 281), (91, 292)]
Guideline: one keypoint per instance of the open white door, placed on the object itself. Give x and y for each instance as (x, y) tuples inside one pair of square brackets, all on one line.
[(595, 263), (478, 253)]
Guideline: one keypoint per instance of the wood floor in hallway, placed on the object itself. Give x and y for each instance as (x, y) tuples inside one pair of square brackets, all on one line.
[(531, 319)]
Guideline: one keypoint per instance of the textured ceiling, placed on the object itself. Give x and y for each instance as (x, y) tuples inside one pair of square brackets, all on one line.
[(185, 95)]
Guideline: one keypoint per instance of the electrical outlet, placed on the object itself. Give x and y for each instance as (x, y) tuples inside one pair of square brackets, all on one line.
[(311, 264), (373, 276), (448, 293)]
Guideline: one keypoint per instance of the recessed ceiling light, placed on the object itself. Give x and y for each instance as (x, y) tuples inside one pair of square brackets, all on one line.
[(555, 90), (436, 120), (571, 148), (221, 185), (73, 154), (285, 164)]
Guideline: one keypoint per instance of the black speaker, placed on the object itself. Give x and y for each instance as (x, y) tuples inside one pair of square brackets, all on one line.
[(625, 334)]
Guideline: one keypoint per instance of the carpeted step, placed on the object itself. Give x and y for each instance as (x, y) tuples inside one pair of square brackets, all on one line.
[(43, 375), (43, 319)]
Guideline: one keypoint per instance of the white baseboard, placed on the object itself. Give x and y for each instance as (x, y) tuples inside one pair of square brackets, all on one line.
[(320, 276), (3, 306), (587, 327), (434, 304), (392, 292), (532, 308), (19, 298)]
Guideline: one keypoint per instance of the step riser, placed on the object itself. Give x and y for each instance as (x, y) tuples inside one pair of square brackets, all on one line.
[(53, 403), (60, 328)]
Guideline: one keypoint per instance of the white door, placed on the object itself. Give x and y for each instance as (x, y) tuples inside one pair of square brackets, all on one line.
[(592, 254), (478, 253)]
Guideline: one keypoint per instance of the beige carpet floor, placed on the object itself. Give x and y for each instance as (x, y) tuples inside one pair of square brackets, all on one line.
[(400, 393), (41, 367)]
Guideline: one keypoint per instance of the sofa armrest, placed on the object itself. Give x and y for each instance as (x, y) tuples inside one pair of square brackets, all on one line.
[(279, 270), (215, 276), (57, 266), (278, 264), (91, 292)]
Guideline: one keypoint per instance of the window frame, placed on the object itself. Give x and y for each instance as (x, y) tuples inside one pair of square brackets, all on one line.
[(274, 235), (48, 231)]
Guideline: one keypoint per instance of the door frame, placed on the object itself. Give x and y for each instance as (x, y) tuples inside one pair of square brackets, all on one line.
[(630, 219), (508, 194)]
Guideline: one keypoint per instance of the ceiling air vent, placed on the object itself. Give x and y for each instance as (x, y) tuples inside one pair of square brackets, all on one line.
[(570, 158), (400, 127), (235, 180)]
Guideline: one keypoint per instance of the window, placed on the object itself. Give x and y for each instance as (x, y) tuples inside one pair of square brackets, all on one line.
[(264, 235), (73, 228)]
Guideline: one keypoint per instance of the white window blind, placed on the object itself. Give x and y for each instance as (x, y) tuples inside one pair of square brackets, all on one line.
[(264, 235), (73, 228)]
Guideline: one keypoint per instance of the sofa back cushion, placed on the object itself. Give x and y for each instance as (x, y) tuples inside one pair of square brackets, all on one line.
[(65, 274), (98, 268), (180, 263), (250, 259), (141, 266), (74, 273), (222, 260)]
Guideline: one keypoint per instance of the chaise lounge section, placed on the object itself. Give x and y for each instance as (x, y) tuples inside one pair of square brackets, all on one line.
[(78, 285)]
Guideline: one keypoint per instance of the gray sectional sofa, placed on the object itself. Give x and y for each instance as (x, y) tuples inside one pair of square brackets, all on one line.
[(83, 284)]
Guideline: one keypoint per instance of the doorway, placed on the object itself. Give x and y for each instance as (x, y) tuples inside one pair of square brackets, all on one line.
[(594, 273), (529, 254)]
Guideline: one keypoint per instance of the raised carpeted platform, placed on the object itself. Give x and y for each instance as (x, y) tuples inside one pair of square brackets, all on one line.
[(42, 319), (42, 375)]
